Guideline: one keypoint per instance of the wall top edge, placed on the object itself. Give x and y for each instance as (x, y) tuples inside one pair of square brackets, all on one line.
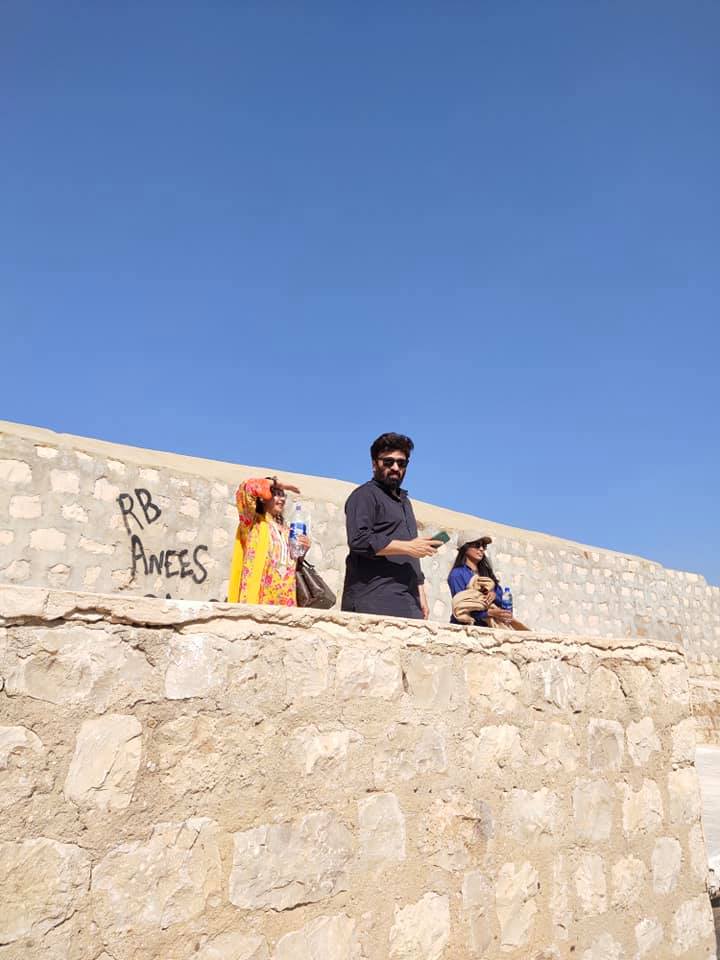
[(313, 487), (37, 605)]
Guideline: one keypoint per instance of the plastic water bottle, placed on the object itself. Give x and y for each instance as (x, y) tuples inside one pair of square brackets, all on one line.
[(507, 602), (298, 527)]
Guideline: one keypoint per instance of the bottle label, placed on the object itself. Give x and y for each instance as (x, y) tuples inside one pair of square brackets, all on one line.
[(297, 529)]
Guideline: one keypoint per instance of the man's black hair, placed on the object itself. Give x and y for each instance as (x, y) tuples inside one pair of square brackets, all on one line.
[(391, 441)]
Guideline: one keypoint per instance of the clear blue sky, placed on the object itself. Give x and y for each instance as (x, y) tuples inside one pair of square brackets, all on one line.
[(266, 232)]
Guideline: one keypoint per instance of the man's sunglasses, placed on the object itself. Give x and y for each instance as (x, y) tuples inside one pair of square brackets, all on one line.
[(389, 461)]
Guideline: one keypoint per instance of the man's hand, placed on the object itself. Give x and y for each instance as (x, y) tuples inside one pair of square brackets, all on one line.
[(421, 547), (423, 602)]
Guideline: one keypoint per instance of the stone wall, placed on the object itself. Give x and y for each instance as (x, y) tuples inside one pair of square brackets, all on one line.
[(88, 515), (211, 782)]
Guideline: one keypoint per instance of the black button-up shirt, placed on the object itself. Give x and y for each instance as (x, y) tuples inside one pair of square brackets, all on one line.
[(384, 585)]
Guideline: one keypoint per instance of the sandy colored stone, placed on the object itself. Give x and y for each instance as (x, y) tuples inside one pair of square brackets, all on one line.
[(17, 572), (323, 749), (604, 947), (48, 538), (306, 668), (590, 884), (497, 746), (556, 684), (478, 900), (280, 865), (105, 764), (15, 472), (533, 816), (430, 681), (593, 810), (198, 666), (104, 490), (421, 930), (368, 673), (642, 741), (170, 878), (96, 546), (516, 888), (74, 511), (6, 537), (642, 808), (606, 745), (648, 936), (409, 751), (382, 828), (43, 883), (233, 946), (64, 481), (692, 924), (22, 763), (684, 791), (666, 864), (629, 876), (684, 739), (492, 684), (562, 916), (553, 745), (325, 938), (77, 664)]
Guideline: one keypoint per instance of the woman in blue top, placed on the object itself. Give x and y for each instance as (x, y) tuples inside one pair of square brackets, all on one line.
[(471, 560)]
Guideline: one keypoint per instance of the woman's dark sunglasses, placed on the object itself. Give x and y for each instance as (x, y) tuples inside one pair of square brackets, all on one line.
[(389, 461)]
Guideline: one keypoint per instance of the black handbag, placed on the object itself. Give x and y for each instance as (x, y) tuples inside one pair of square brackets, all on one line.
[(311, 590)]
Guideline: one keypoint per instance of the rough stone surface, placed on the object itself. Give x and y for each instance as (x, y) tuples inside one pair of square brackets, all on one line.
[(231, 782)]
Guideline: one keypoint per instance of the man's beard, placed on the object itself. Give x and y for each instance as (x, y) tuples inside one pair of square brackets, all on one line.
[(393, 482)]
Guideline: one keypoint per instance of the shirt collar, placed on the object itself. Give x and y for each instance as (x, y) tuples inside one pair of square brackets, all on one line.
[(400, 494)]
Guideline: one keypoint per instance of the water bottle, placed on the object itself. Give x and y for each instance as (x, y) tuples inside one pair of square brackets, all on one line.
[(298, 527), (507, 602)]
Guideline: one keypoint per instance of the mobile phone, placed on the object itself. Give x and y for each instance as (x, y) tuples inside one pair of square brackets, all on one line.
[(442, 536)]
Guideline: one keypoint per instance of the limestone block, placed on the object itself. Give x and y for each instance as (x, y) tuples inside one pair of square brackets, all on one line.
[(64, 481), (628, 882), (666, 863), (15, 472), (430, 681), (73, 511), (324, 749), (492, 683), (411, 750), (105, 764), (16, 572), (233, 946), (47, 539), (95, 546), (556, 684), (562, 917), (605, 693), (74, 664), (553, 745), (382, 828), (692, 924), (684, 738), (43, 883), (592, 810), (58, 574), (22, 762), (421, 930), (606, 745), (6, 537), (604, 947), (642, 741), (325, 938), (106, 491), (46, 453), (698, 852), (533, 817), (497, 747), (189, 508), (25, 508), (648, 936), (590, 884), (171, 878), (198, 666), (220, 538), (674, 681), (282, 864), (478, 899), (368, 673), (515, 892), (306, 668), (642, 809), (91, 576), (684, 790)]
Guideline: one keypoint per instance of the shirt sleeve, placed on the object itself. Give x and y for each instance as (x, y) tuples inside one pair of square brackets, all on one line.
[(360, 522), (246, 499), (456, 581)]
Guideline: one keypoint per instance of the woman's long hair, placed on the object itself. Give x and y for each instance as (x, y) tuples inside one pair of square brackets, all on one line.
[(484, 567)]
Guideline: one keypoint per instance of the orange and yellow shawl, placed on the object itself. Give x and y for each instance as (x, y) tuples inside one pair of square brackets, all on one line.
[(262, 570)]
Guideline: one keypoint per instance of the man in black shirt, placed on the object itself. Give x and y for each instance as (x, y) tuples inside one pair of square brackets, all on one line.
[(382, 570)]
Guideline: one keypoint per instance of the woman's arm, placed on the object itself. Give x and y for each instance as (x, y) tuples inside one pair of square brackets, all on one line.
[(248, 493)]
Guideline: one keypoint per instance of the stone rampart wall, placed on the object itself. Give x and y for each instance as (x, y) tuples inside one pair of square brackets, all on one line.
[(88, 515), (211, 782)]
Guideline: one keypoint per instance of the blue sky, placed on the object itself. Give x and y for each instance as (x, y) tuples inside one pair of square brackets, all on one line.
[(267, 232)]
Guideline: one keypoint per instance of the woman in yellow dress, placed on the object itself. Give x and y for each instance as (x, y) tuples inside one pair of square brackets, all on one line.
[(262, 569)]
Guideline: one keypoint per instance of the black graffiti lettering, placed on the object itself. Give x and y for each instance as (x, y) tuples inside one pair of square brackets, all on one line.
[(201, 579), (137, 552), (144, 498), (156, 563), (169, 554), (186, 569), (127, 511)]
